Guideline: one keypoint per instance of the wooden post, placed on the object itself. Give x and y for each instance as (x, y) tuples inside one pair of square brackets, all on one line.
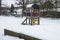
[(23, 9), (29, 20), (0, 5), (26, 21), (56, 5), (38, 21)]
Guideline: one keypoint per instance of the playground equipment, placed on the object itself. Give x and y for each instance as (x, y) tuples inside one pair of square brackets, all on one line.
[(32, 15)]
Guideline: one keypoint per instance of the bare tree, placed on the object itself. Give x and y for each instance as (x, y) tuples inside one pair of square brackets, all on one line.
[(12, 8), (0, 3), (23, 3)]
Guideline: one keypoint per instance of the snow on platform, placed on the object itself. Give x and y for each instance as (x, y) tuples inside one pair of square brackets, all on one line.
[(49, 29)]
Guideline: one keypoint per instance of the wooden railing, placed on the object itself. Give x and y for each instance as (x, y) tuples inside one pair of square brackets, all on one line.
[(19, 35)]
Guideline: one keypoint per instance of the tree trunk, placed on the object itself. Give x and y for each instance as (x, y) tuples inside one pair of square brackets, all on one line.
[(0, 5), (23, 9)]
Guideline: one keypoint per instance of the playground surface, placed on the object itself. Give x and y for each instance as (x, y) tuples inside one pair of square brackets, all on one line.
[(47, 30)]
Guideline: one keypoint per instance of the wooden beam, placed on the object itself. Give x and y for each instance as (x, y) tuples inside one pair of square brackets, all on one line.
[(20, 35)]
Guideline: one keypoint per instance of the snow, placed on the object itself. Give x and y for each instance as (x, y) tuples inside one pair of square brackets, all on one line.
[(2, 25), (30, 5), (19, 11), (7, 3), (47, 30), (58, 9), (11, 38)]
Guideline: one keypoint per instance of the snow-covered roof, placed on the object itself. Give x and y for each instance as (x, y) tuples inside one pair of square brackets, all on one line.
[(29, 5)]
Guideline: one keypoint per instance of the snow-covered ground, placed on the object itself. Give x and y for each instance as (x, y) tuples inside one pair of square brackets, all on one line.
[(49, 29)]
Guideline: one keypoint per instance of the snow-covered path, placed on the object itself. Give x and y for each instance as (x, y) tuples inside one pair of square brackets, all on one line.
[(47, 30)]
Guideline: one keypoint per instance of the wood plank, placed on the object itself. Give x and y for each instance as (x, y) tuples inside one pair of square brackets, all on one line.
[(20, 35)]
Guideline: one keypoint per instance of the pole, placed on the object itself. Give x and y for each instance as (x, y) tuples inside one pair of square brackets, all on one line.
[(56, 5), (0, 5), (23, 8)]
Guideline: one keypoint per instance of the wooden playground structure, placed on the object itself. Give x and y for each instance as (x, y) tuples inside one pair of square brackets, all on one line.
[(32, 16)]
